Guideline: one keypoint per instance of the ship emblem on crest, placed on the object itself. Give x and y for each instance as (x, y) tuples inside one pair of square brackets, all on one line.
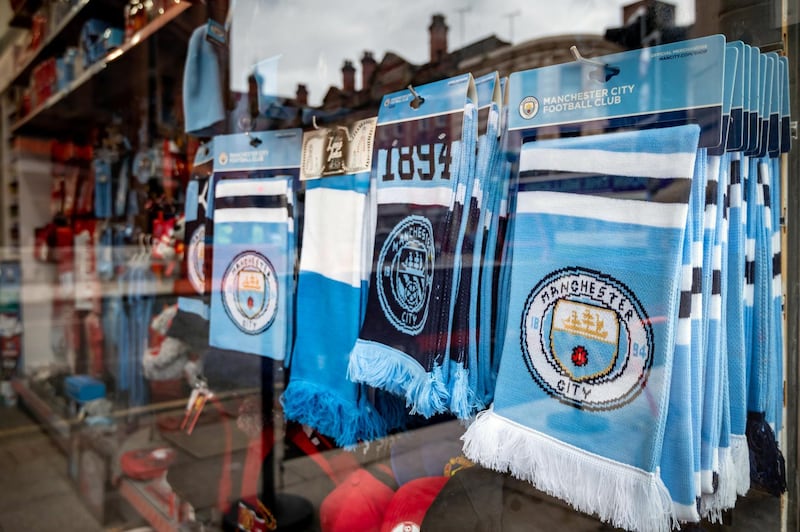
[(586, 339), (250, 292), (405, 274)]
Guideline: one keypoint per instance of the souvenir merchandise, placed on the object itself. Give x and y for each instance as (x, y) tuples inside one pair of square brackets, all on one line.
[(252, 282), (583, 310), (422, 167), (335, 170), (203, 102), (574, 362), (191, 321), (279, 272), (464, 338)]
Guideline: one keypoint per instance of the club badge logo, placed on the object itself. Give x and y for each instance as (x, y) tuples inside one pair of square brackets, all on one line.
[(406, 526), (405, 274), (250, 292), (586, 339), (528, 107), (195, 257)]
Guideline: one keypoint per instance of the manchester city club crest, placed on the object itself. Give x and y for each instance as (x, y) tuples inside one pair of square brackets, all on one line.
[(195, 257), (586, 339), (250, 292), (528, 107), (405, 274)]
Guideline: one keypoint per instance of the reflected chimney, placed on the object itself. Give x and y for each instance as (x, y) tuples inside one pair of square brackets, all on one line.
[(368, 66), (348, 77), (301, 95), (438, 36)]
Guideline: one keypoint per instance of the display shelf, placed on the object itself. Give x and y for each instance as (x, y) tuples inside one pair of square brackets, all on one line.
[(66, 32), (56, 425), (101, 88)]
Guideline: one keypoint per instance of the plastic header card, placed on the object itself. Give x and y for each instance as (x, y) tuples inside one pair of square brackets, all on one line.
[(755, 101), (786, 137), (774, 142), (204, 154), (264, 150), (736, 126), (338, 150), (490, 99), (665, 85), (731, 63), (417, 129), (766, 67), (748, 61), (430, 100)]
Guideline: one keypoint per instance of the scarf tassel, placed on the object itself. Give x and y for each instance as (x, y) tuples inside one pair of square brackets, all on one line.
[(330, 414), (740, 454), (463, 400), (374, 364), (618, 494), (712, 505)]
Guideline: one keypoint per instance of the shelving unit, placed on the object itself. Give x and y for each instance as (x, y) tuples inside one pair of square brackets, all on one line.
[(65, 32), (105, 85), (118, 85)]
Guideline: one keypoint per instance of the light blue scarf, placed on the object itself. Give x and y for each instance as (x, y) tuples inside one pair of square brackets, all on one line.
[(329, 295), (252, 266), (734, 331), (593, 309)]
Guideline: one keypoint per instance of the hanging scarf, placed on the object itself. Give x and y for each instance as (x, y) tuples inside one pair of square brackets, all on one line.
[(734, 332), (250, 266), (190, 324), (593, 308), (464, 337), (329, 301), (423, 157)]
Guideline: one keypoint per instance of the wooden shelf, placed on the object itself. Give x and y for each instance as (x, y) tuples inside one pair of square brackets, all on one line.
[(108, 84), (67, 31)]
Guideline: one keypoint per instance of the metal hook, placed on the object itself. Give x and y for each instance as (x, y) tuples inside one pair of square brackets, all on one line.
[(314, 121), (418, 100), (578, 57)]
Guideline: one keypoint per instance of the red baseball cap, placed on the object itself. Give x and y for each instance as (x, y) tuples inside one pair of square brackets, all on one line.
[(358, 503), (410, 503)]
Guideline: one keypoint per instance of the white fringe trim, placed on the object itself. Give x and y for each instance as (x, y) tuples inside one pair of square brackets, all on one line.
[(713, 504), (740, 454), (618, 493), (686, 513)]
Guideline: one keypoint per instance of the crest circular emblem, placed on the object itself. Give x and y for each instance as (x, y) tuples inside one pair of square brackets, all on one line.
[(586, 339), (528, 107), (195, 256), (406, 526), (405, 274), (250, 292)]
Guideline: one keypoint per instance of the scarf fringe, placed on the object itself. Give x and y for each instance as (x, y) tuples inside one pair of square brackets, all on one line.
[(463, 400), (713, 504), (373, 364), (624, 496), (331, 414), (740, 455), (686, 513)]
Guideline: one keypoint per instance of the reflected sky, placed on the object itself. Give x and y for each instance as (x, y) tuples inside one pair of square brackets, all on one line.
[(313, 38)]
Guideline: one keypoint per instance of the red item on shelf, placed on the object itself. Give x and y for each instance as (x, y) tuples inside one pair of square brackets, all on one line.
[(147, 464)]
